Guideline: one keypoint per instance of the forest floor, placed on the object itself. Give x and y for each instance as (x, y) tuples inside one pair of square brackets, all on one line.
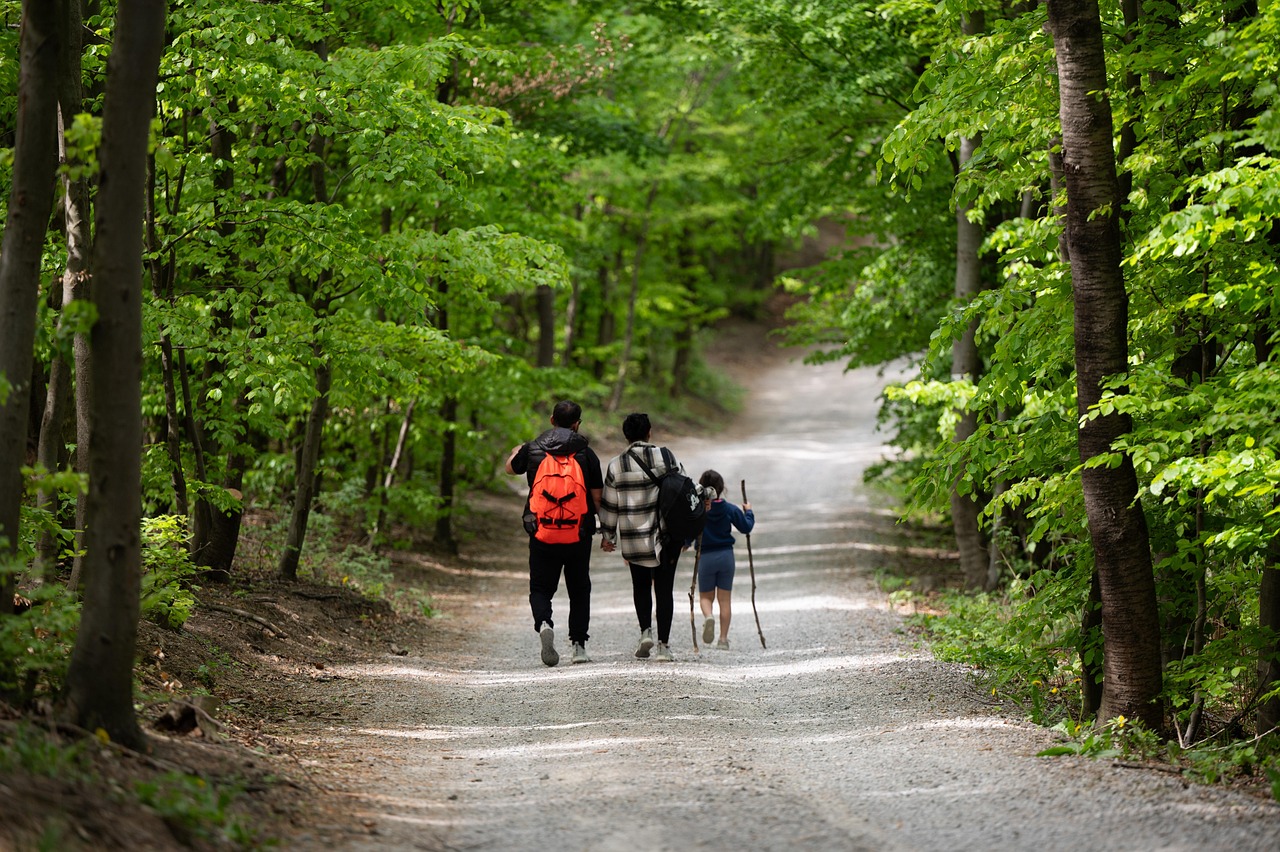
[(321, 719)]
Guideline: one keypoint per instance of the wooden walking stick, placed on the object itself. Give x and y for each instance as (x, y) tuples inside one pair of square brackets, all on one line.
[(752, 565), (697, 554)]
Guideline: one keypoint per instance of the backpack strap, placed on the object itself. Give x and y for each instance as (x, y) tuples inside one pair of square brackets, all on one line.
[(645, 465)]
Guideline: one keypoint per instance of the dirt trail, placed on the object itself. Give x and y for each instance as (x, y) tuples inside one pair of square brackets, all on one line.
[(842, 735)]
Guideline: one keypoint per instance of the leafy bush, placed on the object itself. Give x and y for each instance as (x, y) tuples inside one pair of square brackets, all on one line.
[(35, 646), (167, 570)]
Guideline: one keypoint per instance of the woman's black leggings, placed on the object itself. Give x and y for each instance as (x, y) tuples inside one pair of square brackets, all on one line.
[(656, 584)]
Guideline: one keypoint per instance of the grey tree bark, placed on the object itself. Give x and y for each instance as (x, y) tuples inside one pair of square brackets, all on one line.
[(75, 205), (99, 684), (1117, 526), (966, 364)]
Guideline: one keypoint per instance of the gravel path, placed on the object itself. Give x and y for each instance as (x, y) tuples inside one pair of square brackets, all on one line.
[(842, 735)]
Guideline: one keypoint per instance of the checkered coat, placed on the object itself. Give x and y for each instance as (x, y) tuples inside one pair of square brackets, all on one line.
[(629, 505)]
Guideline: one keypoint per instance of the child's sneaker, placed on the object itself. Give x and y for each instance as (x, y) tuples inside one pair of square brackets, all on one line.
[(549, 655), (580, 653), (663, 654), (708, 630), (723, 644), (646, 642)]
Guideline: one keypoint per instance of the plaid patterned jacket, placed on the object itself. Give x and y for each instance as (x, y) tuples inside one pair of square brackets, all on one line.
[(629, 505)]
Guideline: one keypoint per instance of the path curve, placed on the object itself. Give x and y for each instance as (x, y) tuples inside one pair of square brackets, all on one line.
[(842, 735)]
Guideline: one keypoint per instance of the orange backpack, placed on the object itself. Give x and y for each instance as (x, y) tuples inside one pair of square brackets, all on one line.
[(558, 500)]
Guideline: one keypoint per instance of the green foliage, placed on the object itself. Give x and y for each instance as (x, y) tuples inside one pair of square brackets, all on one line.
[(1118, 737), (196, 810), (35, 645), (33, 750), (167, 570)]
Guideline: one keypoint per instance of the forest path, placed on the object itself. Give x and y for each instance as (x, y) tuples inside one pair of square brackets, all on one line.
[(842, 735)]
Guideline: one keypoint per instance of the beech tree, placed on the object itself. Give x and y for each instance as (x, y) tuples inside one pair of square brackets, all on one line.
[(99, 688), (35, 159), (1131, 671)]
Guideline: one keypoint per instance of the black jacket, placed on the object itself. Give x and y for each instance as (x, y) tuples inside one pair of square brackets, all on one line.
[(559, 441)]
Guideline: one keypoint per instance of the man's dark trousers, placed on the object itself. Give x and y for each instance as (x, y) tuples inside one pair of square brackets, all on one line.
[(546, 562)]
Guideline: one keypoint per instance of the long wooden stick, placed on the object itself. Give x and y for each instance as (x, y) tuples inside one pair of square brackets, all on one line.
[(697, 554), (752, 565)]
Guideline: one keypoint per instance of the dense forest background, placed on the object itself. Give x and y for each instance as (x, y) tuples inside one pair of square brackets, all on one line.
[(362, 241)]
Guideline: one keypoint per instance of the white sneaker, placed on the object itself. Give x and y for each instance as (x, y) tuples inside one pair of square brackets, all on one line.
[(723, 644), (548, 636), (663, 654), (708, 630), (646, 642), (580, 653)]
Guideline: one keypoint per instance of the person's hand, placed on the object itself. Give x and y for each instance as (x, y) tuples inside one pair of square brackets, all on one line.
[(745, 505), (607, 546)]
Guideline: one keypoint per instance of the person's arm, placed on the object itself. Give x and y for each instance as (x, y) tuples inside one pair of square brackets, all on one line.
[(608, 512), (510, 466), (744, 519)]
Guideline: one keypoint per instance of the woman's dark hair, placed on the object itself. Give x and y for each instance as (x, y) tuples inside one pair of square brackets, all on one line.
[(566, 413), (636, 427), (713, 479)]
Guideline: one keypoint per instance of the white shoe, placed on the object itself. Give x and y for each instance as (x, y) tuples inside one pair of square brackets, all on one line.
[(548, 636), (646, 642), (580, 653), (663, 654), (723, 644), (708, 630)]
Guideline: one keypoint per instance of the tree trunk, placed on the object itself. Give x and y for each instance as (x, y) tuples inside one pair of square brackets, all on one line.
[(49, 455), (35, 163), (966, 365), (99, 683), (214, 533), (162, 275), (1269, 618), (570, 320), (305, 487), (1117, 527), (546, 326), (448, 474), (606, 330), (75, 204)]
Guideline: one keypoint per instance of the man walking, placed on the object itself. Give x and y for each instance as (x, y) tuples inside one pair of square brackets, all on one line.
[(559, 516), (629, 518)]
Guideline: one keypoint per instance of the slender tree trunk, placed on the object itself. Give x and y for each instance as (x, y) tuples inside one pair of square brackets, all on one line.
[(1269, 618), (570, 321), (629, 331), (162, 285), (75, 205), (966, 365), (546, 326), (606, 331), (448, 474), (304, 493), (1117, 526), (49, 456), (1268, 666), (35, 163), (99, 683), (215, 533)]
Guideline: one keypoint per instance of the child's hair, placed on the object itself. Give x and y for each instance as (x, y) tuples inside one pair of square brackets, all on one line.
[(714, 480)]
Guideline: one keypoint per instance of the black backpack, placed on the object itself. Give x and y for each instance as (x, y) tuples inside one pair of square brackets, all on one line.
[(681, 511)]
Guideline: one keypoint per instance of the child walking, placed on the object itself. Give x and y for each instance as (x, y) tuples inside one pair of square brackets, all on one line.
[(715, 559)]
